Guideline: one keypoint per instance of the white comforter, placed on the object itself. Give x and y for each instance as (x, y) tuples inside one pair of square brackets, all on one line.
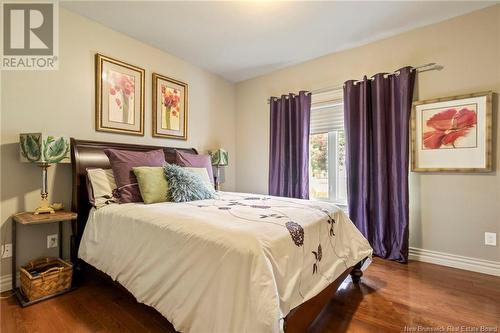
[(238, 263)]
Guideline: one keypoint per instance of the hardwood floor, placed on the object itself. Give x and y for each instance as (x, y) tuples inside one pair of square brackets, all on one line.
[(390, 297)]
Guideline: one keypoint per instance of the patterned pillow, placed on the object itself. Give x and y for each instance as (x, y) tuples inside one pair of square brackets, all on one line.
[(184, 185), (101, 187)]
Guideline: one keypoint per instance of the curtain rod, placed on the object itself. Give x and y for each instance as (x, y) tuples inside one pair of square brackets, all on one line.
[(420, 69)]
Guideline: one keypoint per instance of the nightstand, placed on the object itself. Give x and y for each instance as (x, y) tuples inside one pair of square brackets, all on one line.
[(28, 218)]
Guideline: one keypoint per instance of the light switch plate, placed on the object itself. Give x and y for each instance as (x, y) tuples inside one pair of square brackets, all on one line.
[(52, 240), (490, 238)]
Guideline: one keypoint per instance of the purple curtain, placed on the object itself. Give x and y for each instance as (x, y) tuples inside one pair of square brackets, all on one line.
[(289, 146), (377, 121)]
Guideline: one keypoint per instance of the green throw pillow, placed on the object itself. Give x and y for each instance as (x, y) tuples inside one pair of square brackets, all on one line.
[(152, 184)]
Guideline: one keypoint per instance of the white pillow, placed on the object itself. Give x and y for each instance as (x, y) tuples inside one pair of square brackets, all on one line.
[(203, 173), (102, 189)]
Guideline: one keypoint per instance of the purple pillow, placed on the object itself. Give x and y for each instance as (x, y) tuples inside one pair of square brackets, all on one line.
[(197, 161), (122, 162)]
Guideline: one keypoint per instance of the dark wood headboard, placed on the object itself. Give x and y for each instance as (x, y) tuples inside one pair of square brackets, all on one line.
[(90, 154)]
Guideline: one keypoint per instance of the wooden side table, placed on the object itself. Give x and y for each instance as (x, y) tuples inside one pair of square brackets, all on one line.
[(28, 218)]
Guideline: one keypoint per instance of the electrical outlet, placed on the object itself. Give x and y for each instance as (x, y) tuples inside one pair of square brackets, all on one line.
[(7, 251), (52, 240), (490, 238)]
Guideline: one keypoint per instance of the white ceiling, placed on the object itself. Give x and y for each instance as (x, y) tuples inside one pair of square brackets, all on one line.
[(242, 40)]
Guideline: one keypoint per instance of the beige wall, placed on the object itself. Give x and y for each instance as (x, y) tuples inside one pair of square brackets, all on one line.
[(449, 212), (62, 102)]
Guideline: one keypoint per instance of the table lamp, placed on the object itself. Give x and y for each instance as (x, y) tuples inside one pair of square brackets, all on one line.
[(219, 158), (44, 150)]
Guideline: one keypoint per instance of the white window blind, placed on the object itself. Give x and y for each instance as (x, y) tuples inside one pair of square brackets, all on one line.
[(327, 112)]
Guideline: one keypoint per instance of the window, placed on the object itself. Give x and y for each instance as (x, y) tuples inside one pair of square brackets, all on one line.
[(327, 174)]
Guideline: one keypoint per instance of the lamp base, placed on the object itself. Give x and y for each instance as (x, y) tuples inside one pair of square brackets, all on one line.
[(44, 208)]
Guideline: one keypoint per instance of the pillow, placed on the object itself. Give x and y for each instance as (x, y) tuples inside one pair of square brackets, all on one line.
[(203, 173), (152, 183), (122, 162), (186, 186), (197, 161), (101, 187)]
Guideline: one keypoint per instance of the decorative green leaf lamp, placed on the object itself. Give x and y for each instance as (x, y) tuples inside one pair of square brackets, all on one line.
[(44, 150), (219, 159)]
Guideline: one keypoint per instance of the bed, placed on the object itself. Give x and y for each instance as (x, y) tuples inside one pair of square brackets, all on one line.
[(237, 263)]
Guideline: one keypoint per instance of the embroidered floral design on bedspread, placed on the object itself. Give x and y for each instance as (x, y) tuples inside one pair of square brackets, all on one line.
[(275, 215), (260, 206), (331, 222), (296, 231), (317, 255)]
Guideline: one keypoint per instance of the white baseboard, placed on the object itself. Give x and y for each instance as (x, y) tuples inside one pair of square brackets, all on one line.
[(6, 282), (455, 261)]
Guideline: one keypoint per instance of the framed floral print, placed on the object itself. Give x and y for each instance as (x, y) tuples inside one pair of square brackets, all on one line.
[(453, 134), (170, 107), (119, 96)]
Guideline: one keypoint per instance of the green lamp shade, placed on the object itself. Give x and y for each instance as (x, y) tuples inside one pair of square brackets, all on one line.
[(219, 157), (46, 149)]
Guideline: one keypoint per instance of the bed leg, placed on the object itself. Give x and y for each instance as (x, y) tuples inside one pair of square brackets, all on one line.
[(356, 272)]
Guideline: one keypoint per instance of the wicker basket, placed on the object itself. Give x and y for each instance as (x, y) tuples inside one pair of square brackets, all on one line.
[(44, 277)]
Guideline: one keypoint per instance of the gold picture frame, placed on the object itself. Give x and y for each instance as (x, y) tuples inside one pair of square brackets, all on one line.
[(170, 107), (117, 85), (453, 134)]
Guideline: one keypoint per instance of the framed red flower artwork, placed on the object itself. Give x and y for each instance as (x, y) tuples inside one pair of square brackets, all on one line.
[(170, 107), (119, 96), (453, 134)]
